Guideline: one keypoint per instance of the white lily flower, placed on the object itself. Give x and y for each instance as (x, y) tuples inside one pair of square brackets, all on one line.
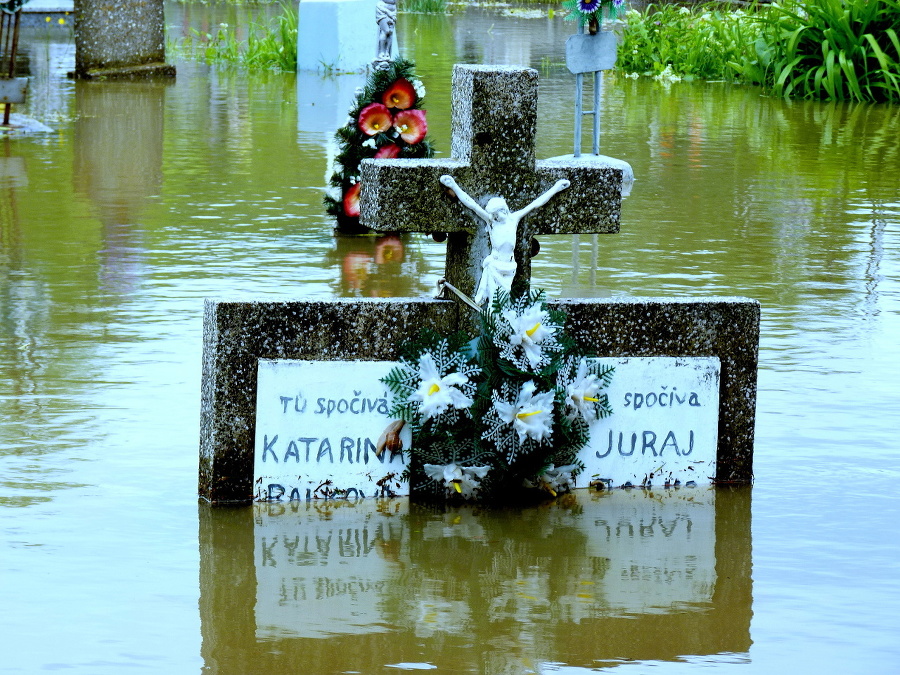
[(558, 479), (462, 480), (529, 330), (531, 415), (437, 393), (582, 393)]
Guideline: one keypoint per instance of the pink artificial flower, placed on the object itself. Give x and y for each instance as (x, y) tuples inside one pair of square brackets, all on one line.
[(351, 201), (411, 125), (388, 151), (400, 95), (375, 118)]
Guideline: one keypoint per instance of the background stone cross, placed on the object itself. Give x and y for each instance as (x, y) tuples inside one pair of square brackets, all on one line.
[(493, 129)]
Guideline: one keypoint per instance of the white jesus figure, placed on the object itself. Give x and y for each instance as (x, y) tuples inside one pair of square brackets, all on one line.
[(499, 267)]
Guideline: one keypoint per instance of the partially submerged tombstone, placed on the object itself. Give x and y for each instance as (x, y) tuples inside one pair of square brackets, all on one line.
[(344, 36), (386, 119), (121, 39), (293, 395)]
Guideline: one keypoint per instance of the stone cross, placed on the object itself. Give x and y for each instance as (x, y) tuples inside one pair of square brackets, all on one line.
[(493, 155), (493, 128)]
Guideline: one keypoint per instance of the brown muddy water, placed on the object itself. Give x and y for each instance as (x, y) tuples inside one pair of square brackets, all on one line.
[(147, 198)]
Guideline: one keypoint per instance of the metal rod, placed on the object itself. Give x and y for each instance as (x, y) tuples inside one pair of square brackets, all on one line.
[(10, 43), (3, 37), (579, 91), (597, 81), (15, 44)]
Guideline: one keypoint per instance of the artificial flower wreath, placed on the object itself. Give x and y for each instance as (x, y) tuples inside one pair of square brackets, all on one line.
[(502, 415), (590, 12), (386, 121)]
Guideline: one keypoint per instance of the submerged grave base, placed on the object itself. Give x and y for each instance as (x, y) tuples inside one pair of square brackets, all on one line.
[(657, 573), (238, 334)]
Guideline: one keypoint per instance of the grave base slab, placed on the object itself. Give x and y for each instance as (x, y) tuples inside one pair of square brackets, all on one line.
[(237, 334)]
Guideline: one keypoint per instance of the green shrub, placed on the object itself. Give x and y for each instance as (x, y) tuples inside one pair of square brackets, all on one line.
[(831, 49), (696, 42)]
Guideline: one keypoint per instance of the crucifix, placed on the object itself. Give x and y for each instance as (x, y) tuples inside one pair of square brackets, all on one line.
[(492, 170)]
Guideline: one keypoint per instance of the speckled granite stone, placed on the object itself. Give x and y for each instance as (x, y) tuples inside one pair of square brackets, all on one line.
[(493, 127), (120, 39), (723, 327), (236, 334)]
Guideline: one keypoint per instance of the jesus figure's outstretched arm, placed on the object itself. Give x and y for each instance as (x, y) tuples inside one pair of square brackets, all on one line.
[(559, 186), (464, 197)]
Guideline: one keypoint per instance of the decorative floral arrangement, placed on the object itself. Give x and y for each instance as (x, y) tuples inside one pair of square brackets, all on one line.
[(502, 415), (590, 12), (386, 120)]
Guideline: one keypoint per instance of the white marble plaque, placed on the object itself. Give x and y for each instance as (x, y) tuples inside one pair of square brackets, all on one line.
[(317, 425), (665, 423)]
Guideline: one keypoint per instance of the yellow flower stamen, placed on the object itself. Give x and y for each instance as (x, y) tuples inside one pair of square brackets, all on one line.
[(522, 416), (533, 330), (433, 389), (456, 486), (591, 398)]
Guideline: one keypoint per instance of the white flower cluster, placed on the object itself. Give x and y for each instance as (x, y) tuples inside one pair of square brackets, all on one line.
[(526, 336), (531, 414), (437, 392), (462, 480), (556, 479), (667, 76), (419, 88), (582, 389), (541, 401)]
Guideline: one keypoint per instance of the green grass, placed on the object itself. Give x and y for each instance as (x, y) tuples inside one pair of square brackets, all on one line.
[(423, 6), (825, 49), (269, 45), (693, 43), (828, 49)]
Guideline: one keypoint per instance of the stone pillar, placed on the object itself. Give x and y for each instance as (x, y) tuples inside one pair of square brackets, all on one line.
[(120, 39)]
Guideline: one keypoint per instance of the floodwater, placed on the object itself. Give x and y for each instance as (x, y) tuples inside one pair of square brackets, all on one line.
[(147, 198)]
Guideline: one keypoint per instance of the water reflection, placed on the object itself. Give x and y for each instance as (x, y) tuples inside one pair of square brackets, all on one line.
[(597, 579), (118, 160), (382, 266)]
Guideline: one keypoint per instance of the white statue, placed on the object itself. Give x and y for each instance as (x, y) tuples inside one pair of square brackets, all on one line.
[(386, 18), (499, 267)]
